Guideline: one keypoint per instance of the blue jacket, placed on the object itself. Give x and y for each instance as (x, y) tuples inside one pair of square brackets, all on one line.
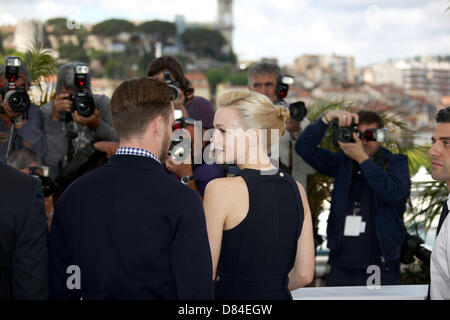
[(32, 132), (389, 180)]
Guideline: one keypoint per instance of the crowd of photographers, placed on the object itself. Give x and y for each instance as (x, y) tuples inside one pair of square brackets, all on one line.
[(73, 134)]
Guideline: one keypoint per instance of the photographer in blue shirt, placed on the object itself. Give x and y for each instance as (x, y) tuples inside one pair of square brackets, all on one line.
[(365, 226)]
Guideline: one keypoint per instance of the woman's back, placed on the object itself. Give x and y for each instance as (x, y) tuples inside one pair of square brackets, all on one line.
[(257, 255)]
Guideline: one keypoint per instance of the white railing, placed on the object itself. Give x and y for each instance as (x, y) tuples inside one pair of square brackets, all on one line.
[(403, 292)]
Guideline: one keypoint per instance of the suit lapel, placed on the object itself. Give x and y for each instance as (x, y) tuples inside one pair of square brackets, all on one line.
[(444, 214)]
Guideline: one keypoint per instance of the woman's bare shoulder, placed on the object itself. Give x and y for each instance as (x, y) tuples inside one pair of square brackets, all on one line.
[(226, 187)]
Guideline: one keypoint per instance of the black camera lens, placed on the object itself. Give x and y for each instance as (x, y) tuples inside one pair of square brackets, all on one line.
[(83, 103), (345, 135), (18, 101)]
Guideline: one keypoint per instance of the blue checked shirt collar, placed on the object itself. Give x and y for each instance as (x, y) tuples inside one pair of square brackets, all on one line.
[(136, 152)]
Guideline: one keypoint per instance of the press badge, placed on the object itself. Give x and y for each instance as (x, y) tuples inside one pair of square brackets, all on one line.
[(354, 226)]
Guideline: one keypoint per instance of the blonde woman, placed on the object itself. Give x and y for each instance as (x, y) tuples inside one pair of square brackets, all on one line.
[(259, 222)]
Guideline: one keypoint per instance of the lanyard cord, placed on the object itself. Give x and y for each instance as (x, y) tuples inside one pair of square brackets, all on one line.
[(11, 133)]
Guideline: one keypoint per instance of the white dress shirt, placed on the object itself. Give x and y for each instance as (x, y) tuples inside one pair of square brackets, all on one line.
[(440, 262)]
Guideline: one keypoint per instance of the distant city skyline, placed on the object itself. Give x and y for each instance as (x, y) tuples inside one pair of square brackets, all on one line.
[(370, 31)]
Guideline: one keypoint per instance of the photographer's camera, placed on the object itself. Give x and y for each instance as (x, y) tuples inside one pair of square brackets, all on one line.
[(83, 100), (345, 134), (17, 98)]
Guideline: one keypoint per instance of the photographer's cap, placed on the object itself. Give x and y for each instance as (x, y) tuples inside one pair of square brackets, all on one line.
[(201, 109)]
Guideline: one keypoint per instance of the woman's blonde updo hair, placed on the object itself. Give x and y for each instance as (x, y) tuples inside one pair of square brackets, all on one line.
[(256, 111)]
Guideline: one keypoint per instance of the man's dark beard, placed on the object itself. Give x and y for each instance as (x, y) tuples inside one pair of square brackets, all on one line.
[(165, 147)]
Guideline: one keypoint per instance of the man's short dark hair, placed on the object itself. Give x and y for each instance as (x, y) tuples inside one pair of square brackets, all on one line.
[(174, 66), (263, 68), (443, 116), (369, 117), (137, 102)]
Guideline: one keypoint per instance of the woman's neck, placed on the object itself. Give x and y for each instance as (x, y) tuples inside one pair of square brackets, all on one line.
[(264, 164)]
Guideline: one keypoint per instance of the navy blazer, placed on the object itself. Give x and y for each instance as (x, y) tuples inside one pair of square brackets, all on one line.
[(134, 232), (23, 237)]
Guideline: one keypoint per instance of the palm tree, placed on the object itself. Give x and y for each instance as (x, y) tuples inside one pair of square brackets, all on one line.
[(41, 63)]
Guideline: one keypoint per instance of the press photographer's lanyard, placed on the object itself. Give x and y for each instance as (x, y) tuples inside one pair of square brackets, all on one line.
[(8, 150), (354, 226)]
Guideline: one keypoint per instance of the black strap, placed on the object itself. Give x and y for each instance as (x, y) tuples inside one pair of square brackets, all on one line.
[(444, 214)]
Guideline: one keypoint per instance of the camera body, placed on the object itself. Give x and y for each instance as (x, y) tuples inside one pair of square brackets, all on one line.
[(412, 247), (48, 186), (172, 84), (345, 134), (83, 101), (297, 111), (180, 147), (18, 99)]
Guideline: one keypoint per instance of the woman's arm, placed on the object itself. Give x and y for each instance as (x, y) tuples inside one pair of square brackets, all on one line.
[(302, 273)]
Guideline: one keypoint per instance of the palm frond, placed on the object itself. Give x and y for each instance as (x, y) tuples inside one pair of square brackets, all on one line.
[(41, 64)]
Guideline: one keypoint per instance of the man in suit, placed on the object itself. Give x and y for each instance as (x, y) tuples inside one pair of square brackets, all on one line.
[(128, 230), (23, 237), (440, 170)]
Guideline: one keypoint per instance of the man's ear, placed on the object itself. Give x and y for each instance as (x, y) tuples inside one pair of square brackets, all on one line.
[(154, 126), (158, 126)]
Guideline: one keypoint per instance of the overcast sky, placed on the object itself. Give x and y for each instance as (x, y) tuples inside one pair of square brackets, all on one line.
[(371, 31)]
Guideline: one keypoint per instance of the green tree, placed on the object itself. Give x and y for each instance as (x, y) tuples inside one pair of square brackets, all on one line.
[(237, 78), (113, 27), (73, 53), (203, 42), (59, 26), (162, 30), (214, 76), (2, 50)]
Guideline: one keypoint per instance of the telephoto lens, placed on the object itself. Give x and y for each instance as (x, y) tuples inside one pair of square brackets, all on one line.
[(18, 100)]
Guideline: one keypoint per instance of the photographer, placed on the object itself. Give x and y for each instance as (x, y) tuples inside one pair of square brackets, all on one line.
[(28, 162), (196, 175), (365, 225), (26, 127), (266, 78), (168, 64), (73, 138)]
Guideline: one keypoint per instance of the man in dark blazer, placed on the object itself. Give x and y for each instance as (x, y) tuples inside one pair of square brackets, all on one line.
[(128, 230), (23, 237)]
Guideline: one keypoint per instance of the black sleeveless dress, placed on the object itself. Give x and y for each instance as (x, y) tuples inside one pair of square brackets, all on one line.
[(257, 255)]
